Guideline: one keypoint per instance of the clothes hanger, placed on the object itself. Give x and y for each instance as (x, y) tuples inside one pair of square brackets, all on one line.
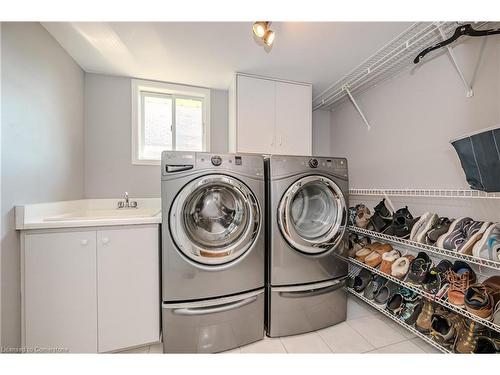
[(466, 29)]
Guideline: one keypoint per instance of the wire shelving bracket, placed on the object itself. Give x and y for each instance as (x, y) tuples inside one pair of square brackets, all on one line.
[(346, 89)]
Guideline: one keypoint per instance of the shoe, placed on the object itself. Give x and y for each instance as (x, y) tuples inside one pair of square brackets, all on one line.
[(351, 216), (373, 260), (382, 217), (385, 293), (383, 210), (362, 217), (444, 327), (395, 304), (423, 322), (419, 269), (486, 345), (469, 332), (426, 222), (438, 230), (493, 283), (436, 277), (479, 301), (363, 253), (496, 314), (460, 277), (485, 247), (455, 236), (387, 261), (400, 267), (473, 233), (374, 286), (402, 223), (411, 311), (362, 280)]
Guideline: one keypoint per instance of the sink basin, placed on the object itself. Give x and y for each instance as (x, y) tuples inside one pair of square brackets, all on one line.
[(96, 214)]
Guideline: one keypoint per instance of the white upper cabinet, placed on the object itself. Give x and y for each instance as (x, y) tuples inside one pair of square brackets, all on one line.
[(270, 116)]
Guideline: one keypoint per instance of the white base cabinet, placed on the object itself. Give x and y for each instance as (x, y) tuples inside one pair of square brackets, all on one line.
[(90, 290)]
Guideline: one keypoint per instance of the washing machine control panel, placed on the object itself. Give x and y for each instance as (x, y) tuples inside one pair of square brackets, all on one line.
[(313, 163), (216, 160)]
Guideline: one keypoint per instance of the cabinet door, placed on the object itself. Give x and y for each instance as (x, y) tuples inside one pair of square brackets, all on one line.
[(255, 115), (293, 119), (60, 301), (128, 287)]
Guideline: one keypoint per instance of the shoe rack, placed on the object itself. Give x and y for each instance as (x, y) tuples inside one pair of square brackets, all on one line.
[(451, 203)]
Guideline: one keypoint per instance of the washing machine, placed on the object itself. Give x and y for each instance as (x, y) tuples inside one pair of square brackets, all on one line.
[(306, 272), (213, 251)]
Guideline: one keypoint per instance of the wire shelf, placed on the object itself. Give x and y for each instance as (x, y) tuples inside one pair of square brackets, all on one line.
[(400, 322), (429, 296), (426, 193), (424, 247)]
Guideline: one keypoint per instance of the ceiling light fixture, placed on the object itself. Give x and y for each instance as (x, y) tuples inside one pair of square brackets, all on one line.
[(263, 32)]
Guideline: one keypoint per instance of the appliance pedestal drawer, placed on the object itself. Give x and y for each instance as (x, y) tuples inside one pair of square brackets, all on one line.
[(215, 325), (305, 308)]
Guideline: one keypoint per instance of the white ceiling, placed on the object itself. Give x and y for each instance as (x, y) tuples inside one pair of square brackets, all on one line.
[(208, 53)]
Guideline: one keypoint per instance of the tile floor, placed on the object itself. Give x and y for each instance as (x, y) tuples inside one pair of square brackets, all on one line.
[(365, 331)]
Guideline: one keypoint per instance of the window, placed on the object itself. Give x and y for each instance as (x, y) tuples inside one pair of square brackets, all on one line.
[(168, 117)]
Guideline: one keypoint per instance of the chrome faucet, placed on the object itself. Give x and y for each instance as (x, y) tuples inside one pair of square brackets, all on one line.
[(126, 203)]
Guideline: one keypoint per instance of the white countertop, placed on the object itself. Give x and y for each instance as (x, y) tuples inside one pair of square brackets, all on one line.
[(87, 213)]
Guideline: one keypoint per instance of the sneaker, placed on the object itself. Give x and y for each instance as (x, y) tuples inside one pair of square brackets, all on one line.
[(351, 216), (455, 236), (402, 223), (411, 311), (479, 301), (440, 228), (423, 322), (460, 277), (473, 233), (424, 224), (419, 269), (444, 327), (382, 217), (469, 332), (485, 247), (362, 217), (387, 261), (385, 293), (395, 304), (436, 277)]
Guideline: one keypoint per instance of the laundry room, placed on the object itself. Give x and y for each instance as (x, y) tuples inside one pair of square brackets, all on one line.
[(210, 183)]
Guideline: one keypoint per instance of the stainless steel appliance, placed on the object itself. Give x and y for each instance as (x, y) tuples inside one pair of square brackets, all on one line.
[(213, 248), (307, 210)]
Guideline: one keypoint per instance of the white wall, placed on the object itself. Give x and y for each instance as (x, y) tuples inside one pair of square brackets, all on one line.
[(42, 143), (108, 168), (413, 117), (321, 135)]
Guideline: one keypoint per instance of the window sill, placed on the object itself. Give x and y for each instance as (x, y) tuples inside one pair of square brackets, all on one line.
[(146, 162)]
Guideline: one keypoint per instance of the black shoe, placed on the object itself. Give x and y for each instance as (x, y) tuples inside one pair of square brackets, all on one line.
[(395, 304), (419, 269), (386, 292), (362, 280), (402, 223), (438, 230), (411, 311), (437, 277), (374, 286)]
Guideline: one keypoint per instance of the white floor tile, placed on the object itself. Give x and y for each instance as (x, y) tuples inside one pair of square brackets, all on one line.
[(268, 345), (156, 349), (357, 309), (306, 343), (376, 331), (398, 328), (401, 347), (342, 338), (427, 348)]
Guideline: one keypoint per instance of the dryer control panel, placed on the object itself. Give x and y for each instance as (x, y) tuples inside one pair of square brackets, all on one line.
[(285, 165)]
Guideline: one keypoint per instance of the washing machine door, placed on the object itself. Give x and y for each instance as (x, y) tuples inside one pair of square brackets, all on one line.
[(214, 221), (312, 215)]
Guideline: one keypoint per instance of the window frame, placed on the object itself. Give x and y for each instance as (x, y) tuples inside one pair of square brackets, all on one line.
[(142, 87)]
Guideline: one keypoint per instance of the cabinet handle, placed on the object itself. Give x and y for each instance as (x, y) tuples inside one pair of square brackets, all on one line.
[(84, 242), (105, 240)]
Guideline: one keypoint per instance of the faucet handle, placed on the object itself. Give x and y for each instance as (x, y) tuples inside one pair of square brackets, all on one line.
[(133, 204), (121, 204)]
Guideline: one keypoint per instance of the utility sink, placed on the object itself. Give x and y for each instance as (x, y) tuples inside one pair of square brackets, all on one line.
[(100, 214)]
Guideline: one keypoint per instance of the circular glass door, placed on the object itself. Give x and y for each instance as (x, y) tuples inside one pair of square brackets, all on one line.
[(311, 215), (214, 220)]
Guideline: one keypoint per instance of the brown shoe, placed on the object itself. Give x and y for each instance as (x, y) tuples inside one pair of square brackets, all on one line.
[(445, 326), (493, 282), (468, 333), (424, 320), (363, 253), (460, 277), (479, 300), (374, 259), (387, 261)]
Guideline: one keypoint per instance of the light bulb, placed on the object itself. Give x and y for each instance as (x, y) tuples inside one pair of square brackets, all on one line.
[(269, 38), (260, 28)]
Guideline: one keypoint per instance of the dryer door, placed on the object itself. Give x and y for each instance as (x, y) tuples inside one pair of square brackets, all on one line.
[(214, 221), (312, 215)]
